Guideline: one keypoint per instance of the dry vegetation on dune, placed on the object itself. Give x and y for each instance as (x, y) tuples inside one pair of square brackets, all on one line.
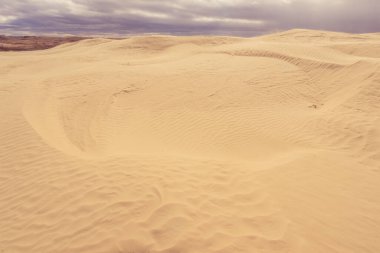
[(192, 144), (28, 43)]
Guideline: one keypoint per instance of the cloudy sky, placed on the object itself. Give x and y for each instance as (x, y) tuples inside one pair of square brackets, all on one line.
[(225, 17)]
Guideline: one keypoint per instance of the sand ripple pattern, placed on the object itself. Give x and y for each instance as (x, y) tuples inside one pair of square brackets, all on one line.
[(166, 144)]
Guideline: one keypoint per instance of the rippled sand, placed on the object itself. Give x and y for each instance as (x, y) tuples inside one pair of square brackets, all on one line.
[(192, 145)]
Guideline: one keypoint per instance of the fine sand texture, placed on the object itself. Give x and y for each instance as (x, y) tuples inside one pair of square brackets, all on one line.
[(168, 144)]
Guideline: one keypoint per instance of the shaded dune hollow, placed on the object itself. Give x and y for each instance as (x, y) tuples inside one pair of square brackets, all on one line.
[(167, 144)]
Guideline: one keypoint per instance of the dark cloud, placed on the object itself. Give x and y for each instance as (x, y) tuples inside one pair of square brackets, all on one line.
[(235, 17)]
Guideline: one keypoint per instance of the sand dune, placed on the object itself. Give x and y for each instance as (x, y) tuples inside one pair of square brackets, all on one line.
[(192, 144)]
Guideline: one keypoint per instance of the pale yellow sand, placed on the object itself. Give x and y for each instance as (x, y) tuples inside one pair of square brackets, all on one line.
[(192, 145)]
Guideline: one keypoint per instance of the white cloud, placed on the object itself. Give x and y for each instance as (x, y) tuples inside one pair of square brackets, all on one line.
[(228, 20), (147, 14), (6, 19)]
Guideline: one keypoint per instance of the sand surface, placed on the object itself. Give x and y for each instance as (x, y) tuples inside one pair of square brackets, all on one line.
[(192, 145)]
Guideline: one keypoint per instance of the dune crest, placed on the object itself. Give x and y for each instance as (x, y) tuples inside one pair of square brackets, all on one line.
[(192, 144)]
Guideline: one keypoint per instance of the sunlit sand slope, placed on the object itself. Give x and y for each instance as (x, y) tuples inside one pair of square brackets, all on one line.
[(192, 144)]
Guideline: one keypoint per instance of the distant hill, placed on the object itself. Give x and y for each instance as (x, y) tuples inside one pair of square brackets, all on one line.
[(27, 43)]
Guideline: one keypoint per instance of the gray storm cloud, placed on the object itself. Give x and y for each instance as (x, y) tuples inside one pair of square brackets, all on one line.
[(230, 17)]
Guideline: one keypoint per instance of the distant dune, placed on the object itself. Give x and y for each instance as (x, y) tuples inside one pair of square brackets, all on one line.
[(27, 43), (171, 144)]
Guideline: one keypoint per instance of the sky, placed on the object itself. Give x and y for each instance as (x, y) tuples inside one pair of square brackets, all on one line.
[(186, 17)]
